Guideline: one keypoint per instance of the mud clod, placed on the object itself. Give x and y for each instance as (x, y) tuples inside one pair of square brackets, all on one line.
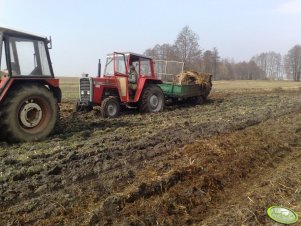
[(113, 205)]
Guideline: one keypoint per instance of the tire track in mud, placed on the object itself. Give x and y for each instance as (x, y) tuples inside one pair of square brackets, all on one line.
[(90, 148), (177, 135), (228, 165)]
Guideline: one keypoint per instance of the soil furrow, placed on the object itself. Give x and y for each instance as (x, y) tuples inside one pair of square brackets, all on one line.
[(177, 164)]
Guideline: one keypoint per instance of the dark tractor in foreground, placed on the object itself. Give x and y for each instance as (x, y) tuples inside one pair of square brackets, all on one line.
[(29, 93)]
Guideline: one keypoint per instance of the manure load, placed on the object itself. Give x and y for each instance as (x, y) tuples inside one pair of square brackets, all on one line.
[(193, 77), (189, 85)]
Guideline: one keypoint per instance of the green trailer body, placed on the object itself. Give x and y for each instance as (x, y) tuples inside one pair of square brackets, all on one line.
[(184, 91)]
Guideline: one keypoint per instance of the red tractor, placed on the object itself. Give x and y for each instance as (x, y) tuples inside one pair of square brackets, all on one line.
[(29, 93), (113, 89)]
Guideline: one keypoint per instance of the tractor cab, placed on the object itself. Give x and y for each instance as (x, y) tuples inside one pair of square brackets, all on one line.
[(118, 63), (121, 66), (23, 55)]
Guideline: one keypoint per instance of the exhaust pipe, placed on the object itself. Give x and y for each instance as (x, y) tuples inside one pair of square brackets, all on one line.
[(99, 67)]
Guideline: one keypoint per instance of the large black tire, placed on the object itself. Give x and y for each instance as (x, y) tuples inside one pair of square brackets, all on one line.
[(152, 99), (29, 113), (110, 107)]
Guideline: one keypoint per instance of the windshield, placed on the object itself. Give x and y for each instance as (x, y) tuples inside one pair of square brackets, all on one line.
[(119, 65), (28, 57), (109, 68)]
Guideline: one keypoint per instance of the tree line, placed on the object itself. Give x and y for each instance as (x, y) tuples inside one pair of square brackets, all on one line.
[(268, 65)]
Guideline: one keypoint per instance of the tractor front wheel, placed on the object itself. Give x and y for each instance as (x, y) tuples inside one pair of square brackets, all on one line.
[(30, 113), (110, 107), (152, 99)]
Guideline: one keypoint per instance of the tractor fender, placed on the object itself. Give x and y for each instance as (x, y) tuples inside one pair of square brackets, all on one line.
[(143, 83), (51, 84)]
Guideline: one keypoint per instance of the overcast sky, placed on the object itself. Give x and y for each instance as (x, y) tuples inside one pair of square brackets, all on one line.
[(85, 30)]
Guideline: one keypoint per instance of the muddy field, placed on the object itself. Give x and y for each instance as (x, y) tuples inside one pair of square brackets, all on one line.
[(221, 163)]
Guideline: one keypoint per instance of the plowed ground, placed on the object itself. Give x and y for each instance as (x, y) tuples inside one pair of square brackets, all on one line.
[(221, 163)]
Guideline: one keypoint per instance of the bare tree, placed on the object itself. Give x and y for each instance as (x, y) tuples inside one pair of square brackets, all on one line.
[(248, 71), (229, 70), (162, 52), (271, 63), (187, 48), (207, 62), (226, 70), (153, 52), (293, 63), (216, 59), (274, 69)]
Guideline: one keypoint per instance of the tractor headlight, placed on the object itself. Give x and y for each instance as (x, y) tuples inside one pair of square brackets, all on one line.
[(88, 92), (82, 92)]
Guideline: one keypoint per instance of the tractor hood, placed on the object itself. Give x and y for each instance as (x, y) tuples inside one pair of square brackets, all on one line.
[(104, 81)]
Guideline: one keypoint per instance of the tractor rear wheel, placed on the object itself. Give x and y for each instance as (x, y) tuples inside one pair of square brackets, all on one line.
[(110, 107), (152, 99), (30, 113)]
